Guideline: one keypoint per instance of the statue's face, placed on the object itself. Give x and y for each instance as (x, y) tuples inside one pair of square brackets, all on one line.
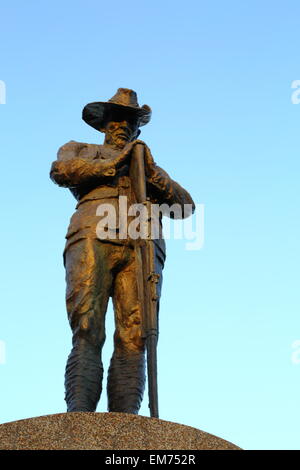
[(119, 132)]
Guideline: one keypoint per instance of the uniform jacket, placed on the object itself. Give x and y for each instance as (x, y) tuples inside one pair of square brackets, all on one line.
[(83, 169)]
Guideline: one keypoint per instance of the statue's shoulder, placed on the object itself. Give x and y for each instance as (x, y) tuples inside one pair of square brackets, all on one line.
[(75, 149)]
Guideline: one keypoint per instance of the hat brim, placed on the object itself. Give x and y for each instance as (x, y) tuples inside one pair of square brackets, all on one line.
[(94, 114)]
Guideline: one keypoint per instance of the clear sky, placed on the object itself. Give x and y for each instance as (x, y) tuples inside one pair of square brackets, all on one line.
[(218, 77)]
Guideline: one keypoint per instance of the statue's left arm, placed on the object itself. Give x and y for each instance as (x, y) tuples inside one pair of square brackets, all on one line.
[(166, 190)]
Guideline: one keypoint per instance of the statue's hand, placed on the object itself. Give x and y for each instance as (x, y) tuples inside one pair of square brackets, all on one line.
[(124, 155), (109, 171), (149, 160)]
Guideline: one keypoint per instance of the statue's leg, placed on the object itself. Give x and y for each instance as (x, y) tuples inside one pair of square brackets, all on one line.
[(89, 283), (126, 375)]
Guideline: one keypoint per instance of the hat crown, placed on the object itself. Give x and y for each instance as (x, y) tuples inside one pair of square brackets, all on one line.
[(125, 97)]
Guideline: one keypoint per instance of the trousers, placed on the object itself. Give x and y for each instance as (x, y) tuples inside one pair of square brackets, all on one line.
[(96, 271)]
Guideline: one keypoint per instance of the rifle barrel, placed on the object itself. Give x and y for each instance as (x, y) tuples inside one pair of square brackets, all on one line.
[(146, 253)]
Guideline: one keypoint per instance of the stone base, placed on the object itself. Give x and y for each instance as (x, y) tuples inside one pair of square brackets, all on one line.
[(105, 431)]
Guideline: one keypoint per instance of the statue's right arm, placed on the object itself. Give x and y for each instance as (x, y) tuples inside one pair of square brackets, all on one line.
[(70, 171)]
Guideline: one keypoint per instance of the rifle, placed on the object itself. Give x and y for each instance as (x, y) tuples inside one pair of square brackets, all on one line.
[(146, 276)]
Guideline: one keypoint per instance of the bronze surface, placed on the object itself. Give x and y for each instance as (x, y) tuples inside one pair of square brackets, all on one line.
[(99, 269)]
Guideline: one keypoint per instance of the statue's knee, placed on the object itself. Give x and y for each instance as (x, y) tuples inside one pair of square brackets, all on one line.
[(130, 338), (86, 327), (78, 301), (133, 316)]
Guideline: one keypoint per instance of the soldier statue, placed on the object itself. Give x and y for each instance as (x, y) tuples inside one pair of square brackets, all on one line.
[(100, 268)]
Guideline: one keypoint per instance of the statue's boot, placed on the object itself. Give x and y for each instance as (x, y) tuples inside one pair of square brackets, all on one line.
[(126, 382), (83, 377)]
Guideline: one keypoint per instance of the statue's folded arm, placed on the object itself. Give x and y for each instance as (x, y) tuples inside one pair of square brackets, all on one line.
[(170, 192), (74, 172), (71, 169)]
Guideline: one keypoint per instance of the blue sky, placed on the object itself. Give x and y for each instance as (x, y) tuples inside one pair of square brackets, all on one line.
[(218, 78)]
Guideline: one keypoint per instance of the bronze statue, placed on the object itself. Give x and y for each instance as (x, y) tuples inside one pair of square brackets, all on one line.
[(99, 267)]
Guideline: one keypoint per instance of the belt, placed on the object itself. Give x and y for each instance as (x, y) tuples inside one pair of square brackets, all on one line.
[(105, 192)]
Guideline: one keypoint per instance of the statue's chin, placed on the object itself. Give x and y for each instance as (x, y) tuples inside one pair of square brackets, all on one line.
[(121, 142)]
